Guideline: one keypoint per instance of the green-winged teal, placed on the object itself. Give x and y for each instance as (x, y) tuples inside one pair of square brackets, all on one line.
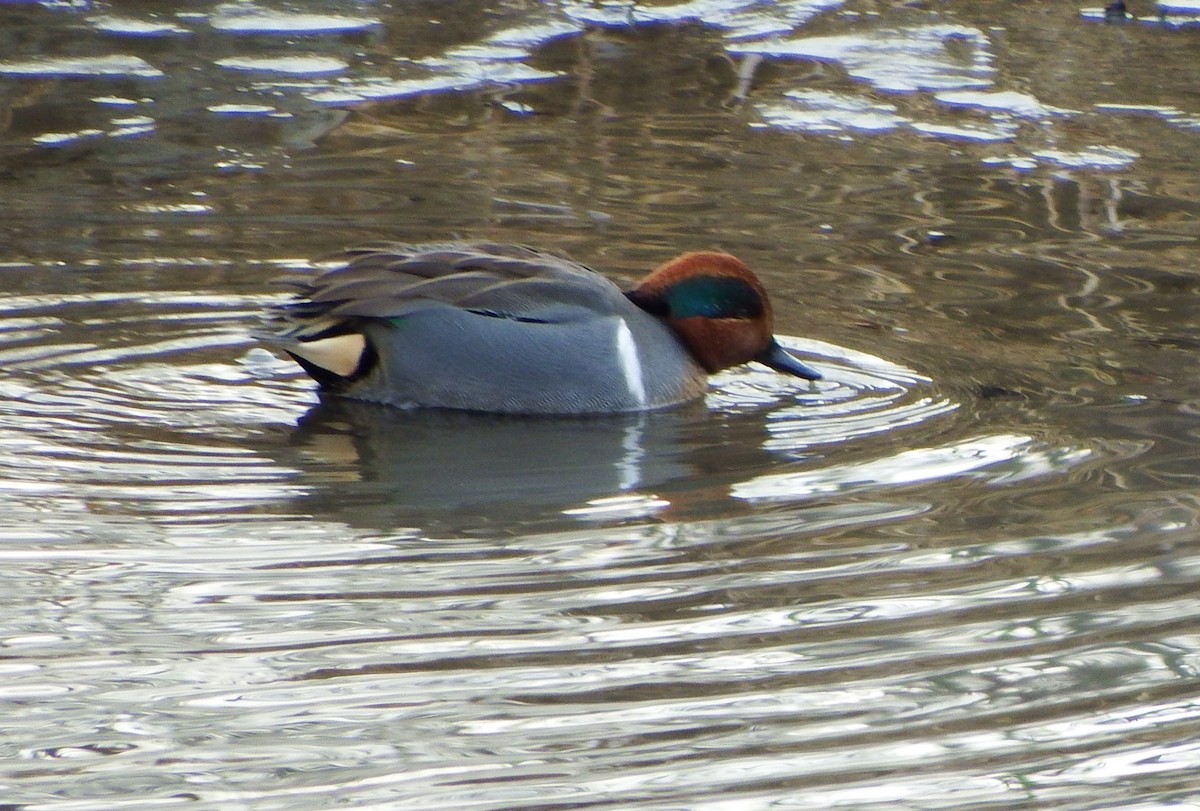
[(509, 329)]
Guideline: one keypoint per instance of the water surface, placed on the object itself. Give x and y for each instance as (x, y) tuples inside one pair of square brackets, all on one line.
[(959, 572)]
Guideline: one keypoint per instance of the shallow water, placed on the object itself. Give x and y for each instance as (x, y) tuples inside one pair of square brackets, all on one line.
[(958, 572)]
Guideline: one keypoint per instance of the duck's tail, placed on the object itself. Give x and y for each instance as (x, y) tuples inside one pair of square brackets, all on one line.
[(334, 357)]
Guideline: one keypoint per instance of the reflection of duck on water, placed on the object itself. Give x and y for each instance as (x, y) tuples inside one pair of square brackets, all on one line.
[(446, 459), (378, 467), (508, 329), (375, 467)]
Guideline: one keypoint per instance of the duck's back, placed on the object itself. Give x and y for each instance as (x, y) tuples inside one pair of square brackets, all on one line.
[(485, 327)]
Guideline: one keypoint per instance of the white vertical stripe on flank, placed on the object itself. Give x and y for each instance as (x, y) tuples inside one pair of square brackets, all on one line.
[(631, 364)]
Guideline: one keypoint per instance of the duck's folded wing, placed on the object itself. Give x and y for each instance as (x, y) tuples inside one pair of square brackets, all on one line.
[(391, 280), (437, 261)]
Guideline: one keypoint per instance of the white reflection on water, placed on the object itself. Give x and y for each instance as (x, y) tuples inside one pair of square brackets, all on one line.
[(613, 507), (469, 75), (827, 111), (247, 18), (293, 63), (135, 27), (917, 465), (738, 18), (932, 57), (116, 65), (1007, 101), (993, 131)]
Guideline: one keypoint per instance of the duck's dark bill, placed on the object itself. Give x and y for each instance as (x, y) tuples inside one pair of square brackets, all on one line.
[(781, 360)]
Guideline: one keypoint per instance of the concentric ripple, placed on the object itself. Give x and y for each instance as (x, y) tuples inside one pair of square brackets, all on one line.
[(97, 420), (151, 402)]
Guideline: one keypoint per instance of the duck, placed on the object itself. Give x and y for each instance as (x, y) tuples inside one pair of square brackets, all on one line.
[(510, 329)]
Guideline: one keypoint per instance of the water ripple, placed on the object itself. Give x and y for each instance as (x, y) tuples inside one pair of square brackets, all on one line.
[(958, 571), (933, 57), (247, 18), (116, 65)]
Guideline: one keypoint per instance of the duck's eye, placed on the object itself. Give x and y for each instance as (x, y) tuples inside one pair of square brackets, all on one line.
[(714, 297)]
